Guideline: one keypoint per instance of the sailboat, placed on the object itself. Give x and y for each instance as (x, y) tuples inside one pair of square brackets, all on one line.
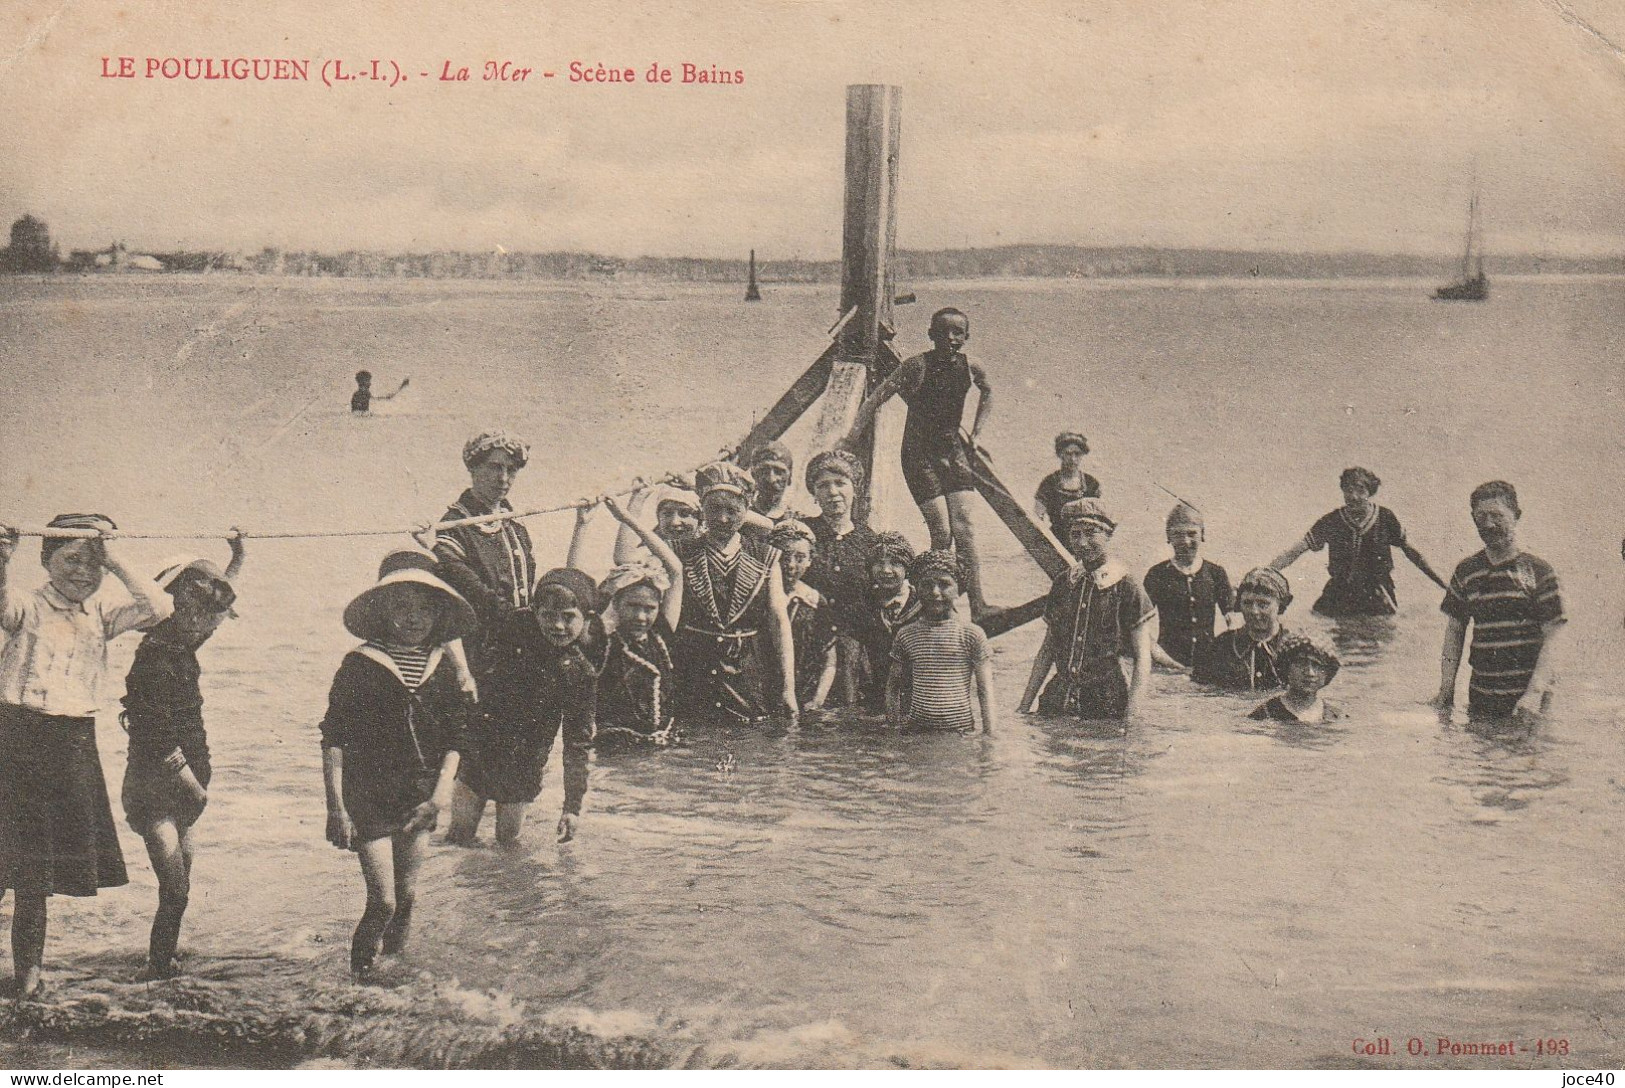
[(752, 292), (1472, 287)]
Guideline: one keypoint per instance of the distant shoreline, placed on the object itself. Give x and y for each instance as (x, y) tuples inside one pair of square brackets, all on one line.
[(1022, 262)]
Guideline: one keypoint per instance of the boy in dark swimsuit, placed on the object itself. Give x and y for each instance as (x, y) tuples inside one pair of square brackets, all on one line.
[(934, 386)]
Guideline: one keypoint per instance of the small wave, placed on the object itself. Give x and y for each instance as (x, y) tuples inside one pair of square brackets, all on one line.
[(266, 1011)]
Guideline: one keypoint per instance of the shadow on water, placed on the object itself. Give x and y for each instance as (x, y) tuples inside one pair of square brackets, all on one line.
[(1506, 764), (1308, 735)]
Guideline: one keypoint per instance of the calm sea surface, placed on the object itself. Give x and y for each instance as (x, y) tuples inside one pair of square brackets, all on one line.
[(1198, 891)]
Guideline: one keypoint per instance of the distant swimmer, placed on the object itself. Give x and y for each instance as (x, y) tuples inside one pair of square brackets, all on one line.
[(1359, 538), (361, 400)]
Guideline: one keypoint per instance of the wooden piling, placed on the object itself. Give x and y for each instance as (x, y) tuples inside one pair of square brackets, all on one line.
[(868, 252)]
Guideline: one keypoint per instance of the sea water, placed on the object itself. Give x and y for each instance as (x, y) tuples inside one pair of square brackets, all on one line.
[(1195, 890)]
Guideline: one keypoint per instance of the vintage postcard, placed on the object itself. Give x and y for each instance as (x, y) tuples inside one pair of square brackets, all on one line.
[(812, 534)]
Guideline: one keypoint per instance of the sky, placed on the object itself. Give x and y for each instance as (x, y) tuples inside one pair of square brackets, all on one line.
[(1303, 125)]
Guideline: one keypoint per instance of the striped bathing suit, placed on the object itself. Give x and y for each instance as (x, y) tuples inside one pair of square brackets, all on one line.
[(939, 657), (1509, 604)]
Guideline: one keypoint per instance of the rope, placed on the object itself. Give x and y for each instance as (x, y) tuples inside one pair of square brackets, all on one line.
[(319, 534)]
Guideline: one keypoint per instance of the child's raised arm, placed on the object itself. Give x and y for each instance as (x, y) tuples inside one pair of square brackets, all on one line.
[(150, 607), (671, 602), (238, 553), (578, 535), (626, 539)]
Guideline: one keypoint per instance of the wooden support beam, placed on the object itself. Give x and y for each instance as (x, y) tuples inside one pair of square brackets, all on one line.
[(796, 400), (1044, 548), (997, 623)]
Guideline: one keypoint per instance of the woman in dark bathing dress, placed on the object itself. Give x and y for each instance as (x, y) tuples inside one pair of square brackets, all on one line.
[(840, 566)]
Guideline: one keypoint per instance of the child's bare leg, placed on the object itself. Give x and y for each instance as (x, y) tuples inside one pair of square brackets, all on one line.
[(466, 809), (28, 942), (935, 512), (169, 850), (959, 518), (378, 869), (408, 850), (510, 821)]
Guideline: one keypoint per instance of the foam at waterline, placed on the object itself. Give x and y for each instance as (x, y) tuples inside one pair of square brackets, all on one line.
[(283, 1012)]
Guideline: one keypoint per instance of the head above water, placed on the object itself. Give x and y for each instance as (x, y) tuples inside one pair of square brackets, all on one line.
[(935, 576), (203, 597), (1185, 530), (1496, 491), (677, 516), (1496, 513), (836, 462), (563, 600), (383, 613), (1087, 530), (889, 563), (1073, 441), (75, 564), (1261, 597), (772, 468), (796, 545), (1316, 665), (1359, 485)]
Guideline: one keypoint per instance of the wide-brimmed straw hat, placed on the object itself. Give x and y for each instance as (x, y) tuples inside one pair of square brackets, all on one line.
[(183, 568), (363, 617)]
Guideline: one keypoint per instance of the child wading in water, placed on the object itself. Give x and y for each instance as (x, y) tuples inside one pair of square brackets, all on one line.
[(1098, 617), (547, 687), (812, 625), (1359, 538), (634, 686), (1189, 592), (1309, 667), (166, 778), (938, 659), (56, 824), (392, 739), (934, 386)]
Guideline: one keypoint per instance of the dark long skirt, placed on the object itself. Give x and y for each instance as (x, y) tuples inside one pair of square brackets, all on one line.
[(57, 835)]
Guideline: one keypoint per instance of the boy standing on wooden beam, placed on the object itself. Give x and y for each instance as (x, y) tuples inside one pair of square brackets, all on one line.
[(934, 386)]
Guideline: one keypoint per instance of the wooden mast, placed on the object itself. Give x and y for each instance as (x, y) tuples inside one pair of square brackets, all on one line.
[(868, 253)]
